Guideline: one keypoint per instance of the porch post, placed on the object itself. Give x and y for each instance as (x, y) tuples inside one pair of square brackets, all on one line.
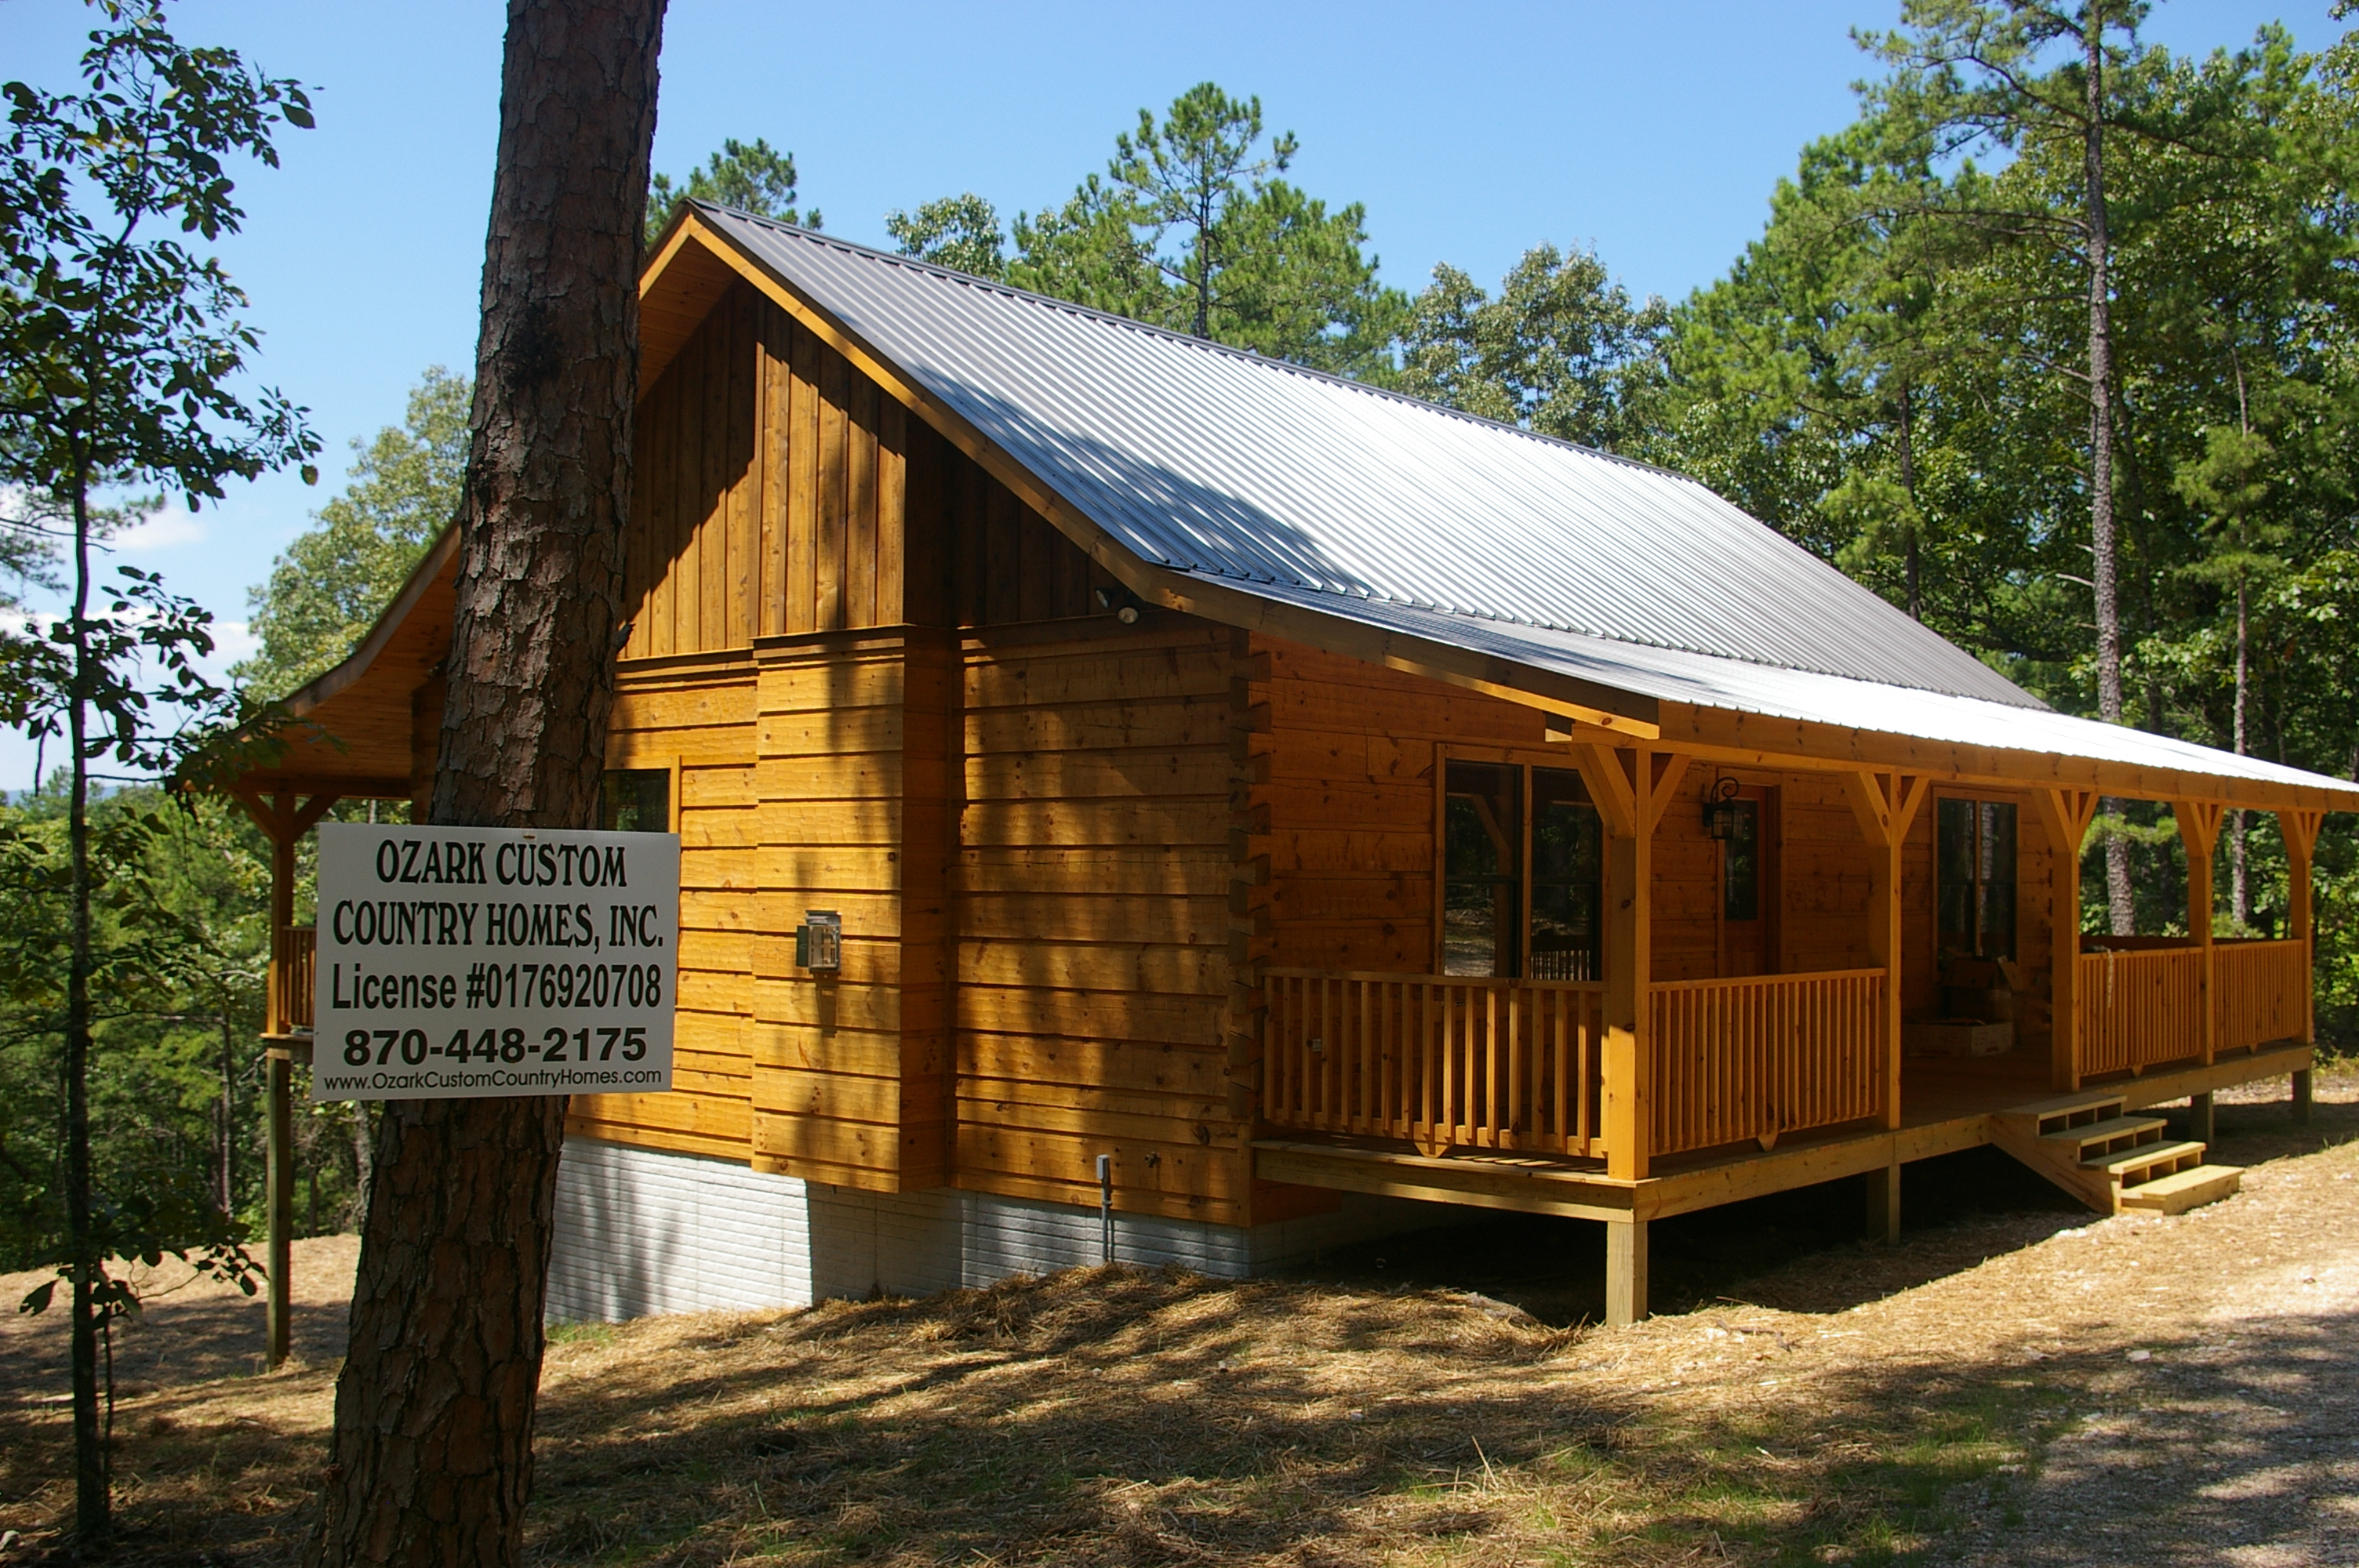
[(2066, 814), (2299, 830), (1631, 788), (1625, 1272), (1887, 804), (278, 1071), (284, 823), (2199, 829)]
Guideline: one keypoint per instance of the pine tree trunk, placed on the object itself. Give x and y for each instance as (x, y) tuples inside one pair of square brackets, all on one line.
[(94, 1505), (432, 1451), (1914, 552), (2118, 904)]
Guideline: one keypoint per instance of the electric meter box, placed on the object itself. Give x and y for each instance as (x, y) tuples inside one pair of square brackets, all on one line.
[(818, 942)]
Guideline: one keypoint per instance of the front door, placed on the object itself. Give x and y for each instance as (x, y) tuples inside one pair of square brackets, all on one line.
[(1748, 885)]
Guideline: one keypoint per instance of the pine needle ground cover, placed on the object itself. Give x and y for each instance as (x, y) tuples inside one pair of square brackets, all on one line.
[(2021, 1386)]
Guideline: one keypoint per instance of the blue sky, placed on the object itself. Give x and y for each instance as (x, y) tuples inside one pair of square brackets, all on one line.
[(1652, 131)]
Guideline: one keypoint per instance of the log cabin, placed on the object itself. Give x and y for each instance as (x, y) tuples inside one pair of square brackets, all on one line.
[(1263, 811)]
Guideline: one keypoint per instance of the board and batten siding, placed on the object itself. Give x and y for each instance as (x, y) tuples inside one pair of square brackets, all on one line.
[(769, 490)]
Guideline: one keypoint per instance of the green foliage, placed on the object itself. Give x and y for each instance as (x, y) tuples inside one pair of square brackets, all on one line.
[(329, 587), (961, 232), (1189, 229), (752, 176), (1561, 351)]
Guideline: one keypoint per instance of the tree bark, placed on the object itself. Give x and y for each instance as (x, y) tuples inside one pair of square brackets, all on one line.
[(2119, 907), (1913, 553), (93, 1504), (431, 1461)]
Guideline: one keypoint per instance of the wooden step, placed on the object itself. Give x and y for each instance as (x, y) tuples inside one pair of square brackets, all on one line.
[(2183, 1190), (2115, 1135), (2146, 1162), (2065, 1112)]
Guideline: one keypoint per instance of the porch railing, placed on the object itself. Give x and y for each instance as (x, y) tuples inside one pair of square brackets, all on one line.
[(292, 951), (1443, 1060), (2260, 993), (2139, 1008), (1769, 1055)]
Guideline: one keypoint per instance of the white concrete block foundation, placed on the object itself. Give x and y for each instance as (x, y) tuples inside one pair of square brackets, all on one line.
[(642, 1231)]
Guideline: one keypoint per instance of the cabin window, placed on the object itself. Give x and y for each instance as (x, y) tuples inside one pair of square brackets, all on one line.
[(1483, 850), (1740, 865), (1976, 877), (1568, 866), (1522, 888), (635, 800)]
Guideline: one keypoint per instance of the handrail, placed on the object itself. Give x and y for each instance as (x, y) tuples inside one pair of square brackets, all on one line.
[(293, 953), (1443, 1060), (1762, 1056)]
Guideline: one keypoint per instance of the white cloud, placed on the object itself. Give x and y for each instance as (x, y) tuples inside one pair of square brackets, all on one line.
[(168, 527)]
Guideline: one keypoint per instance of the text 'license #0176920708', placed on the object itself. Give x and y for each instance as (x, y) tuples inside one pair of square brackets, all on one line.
[(465, 962)]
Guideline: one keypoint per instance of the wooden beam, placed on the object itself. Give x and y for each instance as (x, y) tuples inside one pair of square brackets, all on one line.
[(2299, 829), (2199, 829), (2066, 812), (1628, 1068), (1625, 1272), (1603, 770), (1669, 770), (1886, 804)]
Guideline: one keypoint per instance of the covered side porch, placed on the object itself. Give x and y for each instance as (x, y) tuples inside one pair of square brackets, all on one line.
[(1635, 1087)]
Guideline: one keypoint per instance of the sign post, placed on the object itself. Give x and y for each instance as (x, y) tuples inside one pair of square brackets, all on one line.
[(471, 962)]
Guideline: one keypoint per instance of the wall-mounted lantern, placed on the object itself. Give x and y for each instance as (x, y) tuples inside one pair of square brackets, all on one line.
[(1719, 813), (818, 942), (1121, 602)]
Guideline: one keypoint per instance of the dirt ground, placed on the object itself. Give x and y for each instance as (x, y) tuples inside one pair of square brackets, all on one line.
[(2015, 1383)]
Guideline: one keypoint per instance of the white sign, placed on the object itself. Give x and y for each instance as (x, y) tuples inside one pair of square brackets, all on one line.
[(467, 962)]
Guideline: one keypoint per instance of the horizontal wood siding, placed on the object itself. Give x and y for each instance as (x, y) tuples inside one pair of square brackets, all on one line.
[(1343, 771), (697, 719), (1090, 888), (849, 1069)]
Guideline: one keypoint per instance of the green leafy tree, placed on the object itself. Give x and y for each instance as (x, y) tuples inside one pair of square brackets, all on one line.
[(1191, 229), (1562, 350), (328, 587), (752, 176), (961, 233), (120, 356)]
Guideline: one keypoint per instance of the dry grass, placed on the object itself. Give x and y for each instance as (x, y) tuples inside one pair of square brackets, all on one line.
[(1969, 1395)]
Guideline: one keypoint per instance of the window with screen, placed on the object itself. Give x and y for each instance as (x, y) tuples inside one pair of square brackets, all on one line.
[(1482, 852), (1568, 866), (636, 800), (1975, 884)]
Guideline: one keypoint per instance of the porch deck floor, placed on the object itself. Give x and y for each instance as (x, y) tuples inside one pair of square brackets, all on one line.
[(1946, 1105)]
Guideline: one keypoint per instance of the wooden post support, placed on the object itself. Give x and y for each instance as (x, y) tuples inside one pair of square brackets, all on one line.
[(1883, 1203), (1887, 804), (2301, 1095), (284, 821), (2199, 1118), (1632, 788), (1625, 1272), (2199, 829), (278, 1187), (2299, 831), (2066, 814)]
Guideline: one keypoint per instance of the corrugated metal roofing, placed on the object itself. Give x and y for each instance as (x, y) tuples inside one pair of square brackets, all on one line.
[(1336, 497), (1205, 459), (1733, 684)]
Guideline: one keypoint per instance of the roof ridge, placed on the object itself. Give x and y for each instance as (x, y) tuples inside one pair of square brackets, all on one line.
[(1184, 340)]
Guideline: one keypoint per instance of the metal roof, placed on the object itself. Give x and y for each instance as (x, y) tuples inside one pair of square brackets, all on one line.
[(1207, 459), (1330, 495)]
